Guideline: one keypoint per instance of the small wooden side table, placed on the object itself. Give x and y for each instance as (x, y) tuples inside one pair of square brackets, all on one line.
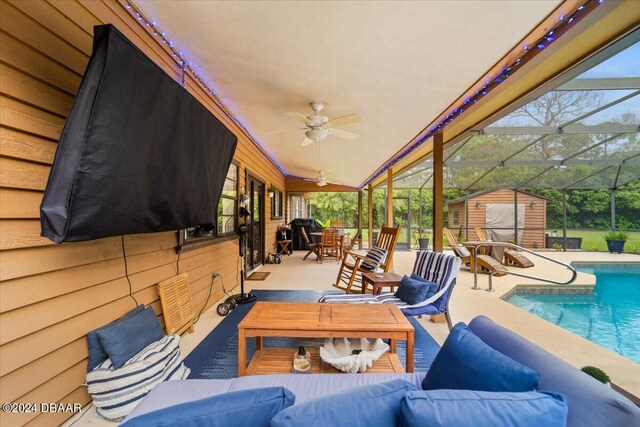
[(284, 247), (388, 280)]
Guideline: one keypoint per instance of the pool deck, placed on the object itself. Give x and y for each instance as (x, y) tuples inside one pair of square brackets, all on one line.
[(466, 303)]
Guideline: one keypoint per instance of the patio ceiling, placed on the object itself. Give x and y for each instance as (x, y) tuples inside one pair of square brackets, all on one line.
[(584, 134), (397, 64)]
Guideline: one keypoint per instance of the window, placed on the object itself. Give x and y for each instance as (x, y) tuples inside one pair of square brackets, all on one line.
[(225, 214), (276, 203), (456, 217), (298, 207)]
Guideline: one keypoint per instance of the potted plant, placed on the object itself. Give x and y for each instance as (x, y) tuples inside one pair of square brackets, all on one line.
[(597, 373), (616, 240), (423, 239)]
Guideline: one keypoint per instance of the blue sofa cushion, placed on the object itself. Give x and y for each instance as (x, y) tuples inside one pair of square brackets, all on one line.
[(124, 339), (466, 362), (247, 408), (412, 291), (373, 405), (591, 403), (466, 408), (97, 355)]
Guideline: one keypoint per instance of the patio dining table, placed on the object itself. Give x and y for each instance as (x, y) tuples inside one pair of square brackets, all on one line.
[(317, 237)]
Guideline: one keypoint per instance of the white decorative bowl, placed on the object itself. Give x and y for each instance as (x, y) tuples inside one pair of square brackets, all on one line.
[(338, 352)]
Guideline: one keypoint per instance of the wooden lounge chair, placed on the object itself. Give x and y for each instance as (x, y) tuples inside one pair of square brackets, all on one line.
[(350, 274), (512, 257), (486, 263), (314, 248)]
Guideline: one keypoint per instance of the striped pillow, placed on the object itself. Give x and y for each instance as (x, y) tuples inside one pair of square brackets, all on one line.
[(116, 392), (373, 259)]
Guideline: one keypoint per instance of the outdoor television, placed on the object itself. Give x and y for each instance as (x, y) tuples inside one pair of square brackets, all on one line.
[(137, 154)]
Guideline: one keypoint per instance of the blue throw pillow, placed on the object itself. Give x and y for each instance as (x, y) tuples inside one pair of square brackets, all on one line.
[(126, 338), (466, 408), (97, 355), (366, 406), (246, 408), (433, 286), (412, 291), (466, 362)]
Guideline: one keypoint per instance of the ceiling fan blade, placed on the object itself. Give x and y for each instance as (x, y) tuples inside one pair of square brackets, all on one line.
[(299, 117), (345, 120), (309, 179), (344, 134), (306, 142), (286, 130)]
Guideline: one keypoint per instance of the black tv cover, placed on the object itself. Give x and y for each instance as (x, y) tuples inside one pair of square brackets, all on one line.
[(137, 154)]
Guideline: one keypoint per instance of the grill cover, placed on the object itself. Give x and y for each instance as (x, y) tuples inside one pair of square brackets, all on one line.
[(137, 154)]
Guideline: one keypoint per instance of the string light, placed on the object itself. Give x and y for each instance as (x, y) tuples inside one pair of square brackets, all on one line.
[(186, 65), (542, 43)]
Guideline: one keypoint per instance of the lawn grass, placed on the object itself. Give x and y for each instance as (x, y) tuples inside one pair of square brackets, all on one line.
[(593, 240)]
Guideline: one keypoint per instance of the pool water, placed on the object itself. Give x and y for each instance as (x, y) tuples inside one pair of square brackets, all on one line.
[(610, 317)]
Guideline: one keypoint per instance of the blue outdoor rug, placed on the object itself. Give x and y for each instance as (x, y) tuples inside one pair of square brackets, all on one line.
[(217, 355)]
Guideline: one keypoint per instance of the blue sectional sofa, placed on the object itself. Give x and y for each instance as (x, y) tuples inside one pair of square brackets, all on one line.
[(589, 402)]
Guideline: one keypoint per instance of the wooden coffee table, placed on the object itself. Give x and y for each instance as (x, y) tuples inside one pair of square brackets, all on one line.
[(314, 320), (379, 281)]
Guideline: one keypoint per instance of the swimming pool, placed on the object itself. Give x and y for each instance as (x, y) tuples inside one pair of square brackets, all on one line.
[(609, 317)]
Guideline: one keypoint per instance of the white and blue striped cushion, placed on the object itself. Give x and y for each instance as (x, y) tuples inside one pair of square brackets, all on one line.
[(116, 392), (384, 298), (373, 258)]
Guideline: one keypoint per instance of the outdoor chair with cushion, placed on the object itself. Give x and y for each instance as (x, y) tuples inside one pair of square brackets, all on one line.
[(435, 270), (313, 248), (379, 258)]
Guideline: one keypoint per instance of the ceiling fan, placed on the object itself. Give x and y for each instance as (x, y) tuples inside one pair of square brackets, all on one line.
[(318, 127), (320, 181)]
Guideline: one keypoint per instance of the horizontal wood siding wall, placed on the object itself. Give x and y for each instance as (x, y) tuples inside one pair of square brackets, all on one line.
[(52, 295), (535, 218)]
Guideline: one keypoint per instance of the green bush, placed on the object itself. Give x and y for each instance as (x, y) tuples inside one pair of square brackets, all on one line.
[(596, 373)]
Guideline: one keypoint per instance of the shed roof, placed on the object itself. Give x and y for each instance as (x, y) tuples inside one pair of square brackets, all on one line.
[(481, 193)]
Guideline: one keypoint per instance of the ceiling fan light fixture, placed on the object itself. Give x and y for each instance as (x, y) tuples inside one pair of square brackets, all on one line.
[(316, 134)]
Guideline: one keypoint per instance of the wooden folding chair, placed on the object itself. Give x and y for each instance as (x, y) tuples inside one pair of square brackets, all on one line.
[(314, 248)]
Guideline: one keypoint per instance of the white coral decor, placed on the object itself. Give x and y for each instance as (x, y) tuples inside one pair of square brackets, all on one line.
[(339, 352)]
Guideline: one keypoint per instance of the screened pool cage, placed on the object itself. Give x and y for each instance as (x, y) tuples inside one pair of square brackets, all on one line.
[(583, 134)]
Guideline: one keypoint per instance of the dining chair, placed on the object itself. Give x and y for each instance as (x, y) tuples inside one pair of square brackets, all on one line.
[(330, 243)]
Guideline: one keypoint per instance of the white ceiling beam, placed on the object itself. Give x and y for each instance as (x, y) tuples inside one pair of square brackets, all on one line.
[(613, 83), (553, 130)]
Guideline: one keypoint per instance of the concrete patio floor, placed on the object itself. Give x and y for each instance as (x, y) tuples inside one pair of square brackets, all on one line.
[(466, 303)]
